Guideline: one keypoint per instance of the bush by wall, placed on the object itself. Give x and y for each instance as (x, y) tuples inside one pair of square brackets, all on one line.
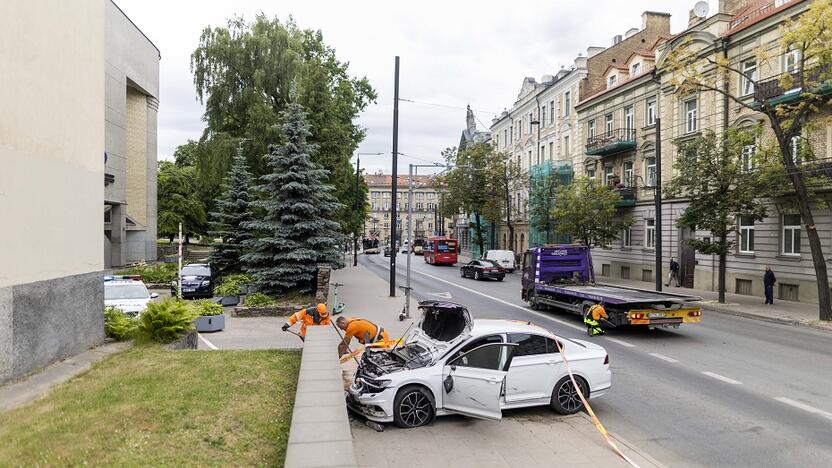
[(119, 326), (165, 321)]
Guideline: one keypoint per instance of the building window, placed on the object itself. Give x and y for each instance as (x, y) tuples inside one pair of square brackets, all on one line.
[(543, 115), (635, 69), (791, 234), (628, 174), (375, 194), (691, 116), (531, 120), (650, 171), (651, 111), (749, 70), (791, 61), (430, 206), (505, 137), (420, 196), (590, 174), (611, 81), (498, 140), (627, 237), (608, 124), (747, 158), (386, 194), (590, 129), (551, 150), (567, 103), (650, 233), (566, 146), (511, 134), (629, 121), (386, 206), (746, 234), (431, 196), (608, 175), (552, 112)]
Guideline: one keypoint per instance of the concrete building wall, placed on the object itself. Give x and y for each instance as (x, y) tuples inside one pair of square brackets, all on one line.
[(51, 182)]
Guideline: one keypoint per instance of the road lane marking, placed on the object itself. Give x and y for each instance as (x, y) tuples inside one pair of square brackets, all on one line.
[(722, 378), (473, 291), (663, 357), (443, 295), (804, 407), (207, 343), (621, 342)]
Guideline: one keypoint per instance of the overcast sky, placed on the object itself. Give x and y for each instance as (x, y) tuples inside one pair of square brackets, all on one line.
[(453, 53)]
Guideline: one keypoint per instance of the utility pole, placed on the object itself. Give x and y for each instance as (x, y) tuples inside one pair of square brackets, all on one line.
[(658, 201), (357, 208), (409, 239), (395, 176)]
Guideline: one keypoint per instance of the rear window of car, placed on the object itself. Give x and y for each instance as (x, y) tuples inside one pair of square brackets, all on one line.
[(489, 263), (116, 291), (196, 270)]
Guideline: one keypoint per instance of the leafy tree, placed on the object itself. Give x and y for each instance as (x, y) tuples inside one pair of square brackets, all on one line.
[(178, 202), (299, 230), (231, 220), (586, 211), (721, 187), (508, 177), (243, 73), (809, 38), (542, 190), (186, 155)]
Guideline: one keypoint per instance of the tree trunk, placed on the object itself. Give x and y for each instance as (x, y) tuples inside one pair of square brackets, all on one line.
[(509, 223), (803, 205), (722, 267)]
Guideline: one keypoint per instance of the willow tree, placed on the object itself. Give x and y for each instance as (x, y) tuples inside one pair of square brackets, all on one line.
[(788, 104)]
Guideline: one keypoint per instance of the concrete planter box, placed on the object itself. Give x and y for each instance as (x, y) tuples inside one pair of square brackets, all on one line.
[(210, 323), (229, 300)]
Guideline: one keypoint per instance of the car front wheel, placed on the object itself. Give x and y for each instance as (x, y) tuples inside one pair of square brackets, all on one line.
[(477, 275), (565, 398), (413, 407)]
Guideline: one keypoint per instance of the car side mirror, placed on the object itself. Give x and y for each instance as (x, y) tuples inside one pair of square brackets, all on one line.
[(154, 295), (448, 383)]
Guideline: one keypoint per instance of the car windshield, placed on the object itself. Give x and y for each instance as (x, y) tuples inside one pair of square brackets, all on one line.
[(444, 246), (125, 291), (196, 270)]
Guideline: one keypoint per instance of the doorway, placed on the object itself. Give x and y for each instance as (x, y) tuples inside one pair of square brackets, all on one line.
[(687, 258)]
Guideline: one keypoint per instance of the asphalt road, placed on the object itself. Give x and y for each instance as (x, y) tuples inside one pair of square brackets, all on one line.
[(727, 392)]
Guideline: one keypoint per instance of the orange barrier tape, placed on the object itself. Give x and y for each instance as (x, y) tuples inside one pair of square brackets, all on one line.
[(595, 419)]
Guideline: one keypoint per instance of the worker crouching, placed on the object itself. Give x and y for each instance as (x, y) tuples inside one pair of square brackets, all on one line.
[(365, 331), (593, 317), (314, 315)]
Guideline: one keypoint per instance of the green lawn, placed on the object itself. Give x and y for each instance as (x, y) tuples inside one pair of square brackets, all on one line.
[(152, 407)]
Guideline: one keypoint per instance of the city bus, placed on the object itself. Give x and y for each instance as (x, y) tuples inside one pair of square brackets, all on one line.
[(440, 250)]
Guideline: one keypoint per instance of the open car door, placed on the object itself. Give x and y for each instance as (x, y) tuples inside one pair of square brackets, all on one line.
[(473, 381)]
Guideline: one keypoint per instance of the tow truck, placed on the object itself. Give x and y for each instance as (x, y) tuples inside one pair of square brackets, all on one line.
[(561, 277)]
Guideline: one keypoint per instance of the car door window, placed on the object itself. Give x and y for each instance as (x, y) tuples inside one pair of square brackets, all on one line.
[(552, 346), (489, 357), (528, 344), (474, 344)]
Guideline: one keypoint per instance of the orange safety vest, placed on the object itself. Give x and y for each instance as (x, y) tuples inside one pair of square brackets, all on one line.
[(597, 311), (308, 316)]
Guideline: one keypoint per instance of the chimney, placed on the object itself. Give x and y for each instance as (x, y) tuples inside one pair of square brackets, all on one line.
[(732, 7), (658, 22), (631, 32), (616, 39), (593, 51), (470, 123)]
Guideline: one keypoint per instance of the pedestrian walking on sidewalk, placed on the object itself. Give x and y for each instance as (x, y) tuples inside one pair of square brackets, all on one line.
[(768, 282), (591, 320), (674, 272)]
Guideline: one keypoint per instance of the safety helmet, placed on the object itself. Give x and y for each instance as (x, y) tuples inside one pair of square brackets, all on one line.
[(322, 310)]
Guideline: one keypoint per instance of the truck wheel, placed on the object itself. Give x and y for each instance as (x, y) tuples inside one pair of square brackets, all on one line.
[(565, 399), (413, 407), (533, 302)]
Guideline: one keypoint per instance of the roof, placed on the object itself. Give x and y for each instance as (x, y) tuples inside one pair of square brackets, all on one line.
[(386, 180), (756, 11), (645, 72)]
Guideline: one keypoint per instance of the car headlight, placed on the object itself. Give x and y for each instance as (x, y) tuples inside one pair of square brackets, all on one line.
[(374, 385), (205, 283)]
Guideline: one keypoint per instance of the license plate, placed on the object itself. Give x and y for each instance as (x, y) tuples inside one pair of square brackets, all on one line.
[(655, 315), (188, 289)]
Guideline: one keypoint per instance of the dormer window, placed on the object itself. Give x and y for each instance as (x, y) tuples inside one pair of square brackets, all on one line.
[(635, 69), (611, 81)]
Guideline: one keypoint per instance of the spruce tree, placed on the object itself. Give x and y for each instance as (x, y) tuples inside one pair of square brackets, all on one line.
[(231, 220), (300, 228)]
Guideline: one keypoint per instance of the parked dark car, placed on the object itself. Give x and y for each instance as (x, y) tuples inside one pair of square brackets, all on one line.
[(387, 250), (482, 269), (197, 281)]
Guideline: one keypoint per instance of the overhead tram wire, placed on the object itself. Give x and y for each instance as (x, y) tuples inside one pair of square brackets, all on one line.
[(449, 106)]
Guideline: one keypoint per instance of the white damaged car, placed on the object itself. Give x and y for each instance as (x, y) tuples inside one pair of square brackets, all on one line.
[(451, 364)]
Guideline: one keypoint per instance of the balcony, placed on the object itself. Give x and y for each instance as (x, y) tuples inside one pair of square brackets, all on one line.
[(627, 191), (772, 92), (615, 141)]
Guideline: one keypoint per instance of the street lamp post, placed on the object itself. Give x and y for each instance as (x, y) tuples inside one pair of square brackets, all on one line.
[(358, 202)]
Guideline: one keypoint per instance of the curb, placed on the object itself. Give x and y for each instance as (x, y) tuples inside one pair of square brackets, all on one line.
[(721, 309), (625, 443)]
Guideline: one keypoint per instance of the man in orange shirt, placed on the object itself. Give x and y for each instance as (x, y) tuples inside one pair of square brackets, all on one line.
[(364, 331), (315, 315), (595, 313)]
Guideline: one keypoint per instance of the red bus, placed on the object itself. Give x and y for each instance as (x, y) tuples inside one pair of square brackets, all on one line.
[(440, 250)]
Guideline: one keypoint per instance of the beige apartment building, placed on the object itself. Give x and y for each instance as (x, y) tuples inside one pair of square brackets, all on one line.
[(426, 220)]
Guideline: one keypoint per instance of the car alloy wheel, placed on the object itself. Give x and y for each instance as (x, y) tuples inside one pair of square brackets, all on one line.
[(565, 398), (413, 408), (477, 276)]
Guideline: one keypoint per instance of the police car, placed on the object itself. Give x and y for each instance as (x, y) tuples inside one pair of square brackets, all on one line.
[(127, 293)]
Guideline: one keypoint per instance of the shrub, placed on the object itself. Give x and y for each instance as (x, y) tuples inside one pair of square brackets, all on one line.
[(165, 321), (230, 285), (152, 272), (259, 300), (118, 325), (204, 307)]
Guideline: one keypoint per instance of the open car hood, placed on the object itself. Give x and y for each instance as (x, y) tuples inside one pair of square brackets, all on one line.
[(442, 325)]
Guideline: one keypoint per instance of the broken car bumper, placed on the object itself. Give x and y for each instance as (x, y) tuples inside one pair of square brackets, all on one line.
[(376, 407)]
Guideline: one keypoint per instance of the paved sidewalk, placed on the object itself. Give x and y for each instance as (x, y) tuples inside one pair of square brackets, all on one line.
[(792, 313), (36, 385), (528, 437)]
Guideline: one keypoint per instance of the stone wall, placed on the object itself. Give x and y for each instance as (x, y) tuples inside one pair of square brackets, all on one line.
[(46, 321)]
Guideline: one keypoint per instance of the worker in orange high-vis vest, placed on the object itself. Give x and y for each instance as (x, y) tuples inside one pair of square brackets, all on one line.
[(595, 313), (363, 330), (315, 315)]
